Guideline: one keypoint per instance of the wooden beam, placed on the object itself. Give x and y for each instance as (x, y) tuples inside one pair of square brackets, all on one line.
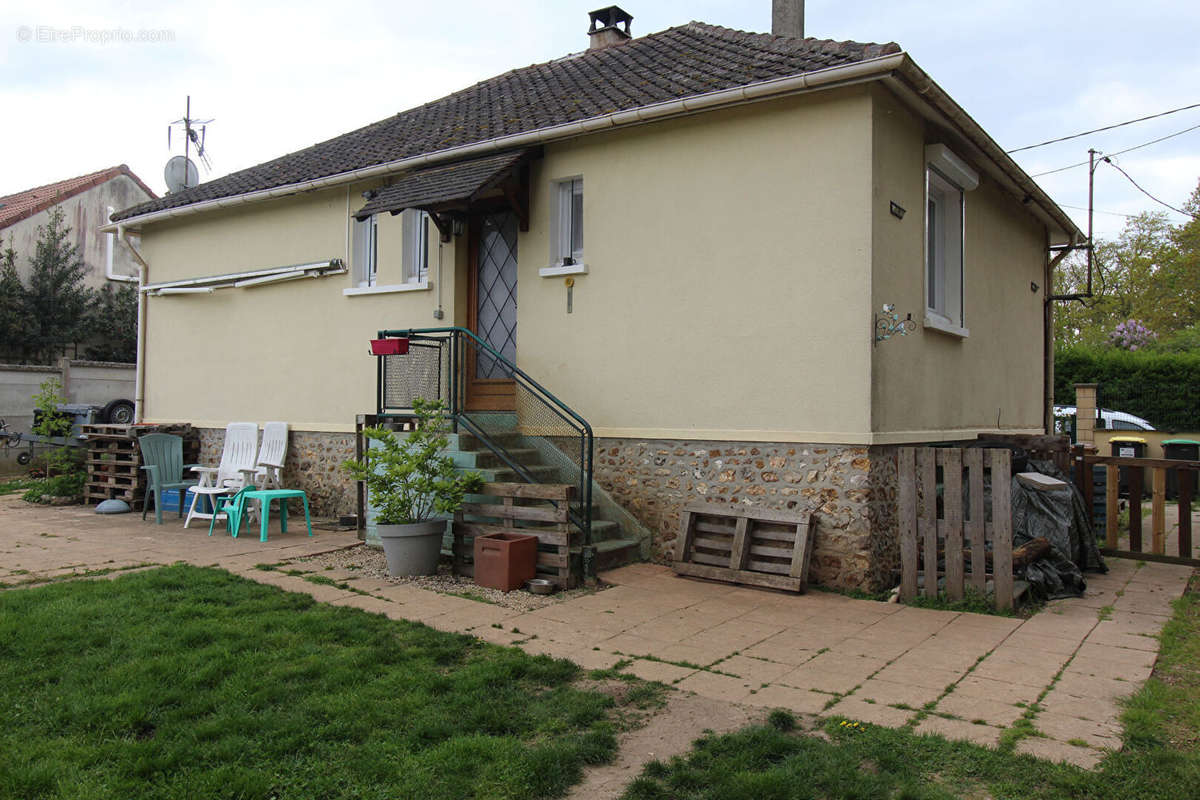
[(952, 503), (1112, 507), (1158, 506), (927, 520)]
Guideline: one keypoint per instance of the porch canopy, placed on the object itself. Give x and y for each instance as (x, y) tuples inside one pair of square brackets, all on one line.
[(454, 187)]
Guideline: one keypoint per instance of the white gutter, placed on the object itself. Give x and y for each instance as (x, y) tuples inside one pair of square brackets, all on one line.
[(139, 370), (775, 87), (917, 85)]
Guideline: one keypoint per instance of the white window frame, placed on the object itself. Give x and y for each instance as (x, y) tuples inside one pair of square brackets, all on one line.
[(366, 252), (416, 224), (947, 181), (566, 221)]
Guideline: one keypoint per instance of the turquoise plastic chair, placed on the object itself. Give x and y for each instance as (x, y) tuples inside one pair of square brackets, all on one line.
[(233, 508), (162, 459)]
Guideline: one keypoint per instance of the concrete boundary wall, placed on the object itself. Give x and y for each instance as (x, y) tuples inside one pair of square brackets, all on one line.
[(94, 382)]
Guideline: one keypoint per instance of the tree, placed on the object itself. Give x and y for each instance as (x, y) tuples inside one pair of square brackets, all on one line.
[(1150, 275), (112, 324), (57, 299), (15, 321)]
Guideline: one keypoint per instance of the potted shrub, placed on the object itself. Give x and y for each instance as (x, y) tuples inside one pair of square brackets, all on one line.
[(410, 483)]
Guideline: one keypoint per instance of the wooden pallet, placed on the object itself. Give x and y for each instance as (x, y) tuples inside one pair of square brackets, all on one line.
[(114, 459), (132, 431), (744, 544), (554, 531)]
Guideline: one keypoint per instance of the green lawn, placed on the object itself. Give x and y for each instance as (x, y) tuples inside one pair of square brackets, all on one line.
[(1161, 759), (190, 683)]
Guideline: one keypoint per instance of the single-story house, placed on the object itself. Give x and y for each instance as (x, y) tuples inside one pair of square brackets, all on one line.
[(86, 201), (689, 237)]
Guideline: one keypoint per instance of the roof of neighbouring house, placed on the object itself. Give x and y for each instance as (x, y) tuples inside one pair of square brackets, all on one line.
[(679, 62), (22, 205)]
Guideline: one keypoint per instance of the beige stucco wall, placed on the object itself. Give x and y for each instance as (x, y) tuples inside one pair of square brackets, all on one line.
[(293, 351), (734, 260), (728, 282), (931, 385), (84, 214)]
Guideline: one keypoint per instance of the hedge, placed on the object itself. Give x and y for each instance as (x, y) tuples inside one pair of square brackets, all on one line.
[(1163, 388)]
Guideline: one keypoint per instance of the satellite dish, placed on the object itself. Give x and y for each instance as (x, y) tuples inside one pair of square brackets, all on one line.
[(181, 174)]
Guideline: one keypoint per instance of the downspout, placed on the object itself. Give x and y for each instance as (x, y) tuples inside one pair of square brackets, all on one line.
[(139, 387), (109, 256)]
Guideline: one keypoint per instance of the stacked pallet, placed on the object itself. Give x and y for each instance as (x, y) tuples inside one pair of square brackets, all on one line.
[(114, 460)]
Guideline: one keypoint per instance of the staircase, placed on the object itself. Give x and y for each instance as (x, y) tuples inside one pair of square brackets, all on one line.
[(616, 536), (553, 445)]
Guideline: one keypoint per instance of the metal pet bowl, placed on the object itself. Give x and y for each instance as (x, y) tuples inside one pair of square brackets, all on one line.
[(541, 586)]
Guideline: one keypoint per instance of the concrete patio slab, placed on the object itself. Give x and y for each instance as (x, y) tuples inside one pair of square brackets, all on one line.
[(760, 648)]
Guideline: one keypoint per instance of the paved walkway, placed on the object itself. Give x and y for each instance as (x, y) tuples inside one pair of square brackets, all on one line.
[(974, 676)]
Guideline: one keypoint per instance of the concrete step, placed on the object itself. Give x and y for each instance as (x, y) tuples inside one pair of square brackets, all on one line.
[(613, 553), (467, 441), (475, 459), (541, 474)]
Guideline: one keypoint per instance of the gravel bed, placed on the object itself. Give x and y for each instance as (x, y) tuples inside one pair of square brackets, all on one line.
[(371, 563)]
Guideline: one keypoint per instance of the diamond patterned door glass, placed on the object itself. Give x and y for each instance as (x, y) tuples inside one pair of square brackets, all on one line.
[(496, 313)]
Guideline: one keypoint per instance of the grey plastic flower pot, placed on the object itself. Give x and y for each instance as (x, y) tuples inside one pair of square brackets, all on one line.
[(412, 549)]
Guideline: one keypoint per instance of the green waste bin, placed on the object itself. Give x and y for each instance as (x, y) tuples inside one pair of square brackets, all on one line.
[(1128, 447), (1186, 450)]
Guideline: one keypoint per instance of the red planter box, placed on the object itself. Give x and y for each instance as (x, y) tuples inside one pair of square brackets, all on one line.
[(505, 561), (389, 347)]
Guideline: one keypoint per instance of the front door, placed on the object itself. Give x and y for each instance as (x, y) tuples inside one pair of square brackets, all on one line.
[(493, 311)]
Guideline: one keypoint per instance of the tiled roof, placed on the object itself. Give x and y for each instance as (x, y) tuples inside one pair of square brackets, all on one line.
[(679, 62), (443, 184), (22, 205)]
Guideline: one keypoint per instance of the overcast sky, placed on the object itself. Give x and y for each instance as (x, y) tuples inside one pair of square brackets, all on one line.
[(85, 85)]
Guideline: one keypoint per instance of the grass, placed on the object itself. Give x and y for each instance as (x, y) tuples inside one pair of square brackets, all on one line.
[(14, 485), (184, 682), (1161, 757), (972, 601)]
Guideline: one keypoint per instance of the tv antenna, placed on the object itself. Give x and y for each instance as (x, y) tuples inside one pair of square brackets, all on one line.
[(194, 131)]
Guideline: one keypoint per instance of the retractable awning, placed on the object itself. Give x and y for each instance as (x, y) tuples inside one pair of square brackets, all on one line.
[(445, 187)]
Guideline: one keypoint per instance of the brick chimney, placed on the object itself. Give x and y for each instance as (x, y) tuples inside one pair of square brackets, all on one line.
[(605, 30), (787, 18)]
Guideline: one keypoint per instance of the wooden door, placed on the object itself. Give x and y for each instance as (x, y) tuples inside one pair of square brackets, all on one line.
[(493, 310)]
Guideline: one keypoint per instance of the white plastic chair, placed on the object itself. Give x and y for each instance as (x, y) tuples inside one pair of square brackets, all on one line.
[(239, 455), (272, 453)]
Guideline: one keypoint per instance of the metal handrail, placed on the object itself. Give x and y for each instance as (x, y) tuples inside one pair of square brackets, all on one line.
[(457, 411)]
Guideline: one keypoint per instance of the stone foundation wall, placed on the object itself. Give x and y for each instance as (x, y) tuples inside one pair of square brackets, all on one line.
[(851, 491), (313, 464)]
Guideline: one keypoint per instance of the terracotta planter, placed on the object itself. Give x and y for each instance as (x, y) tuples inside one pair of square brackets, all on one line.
[(412, 549), (505, 561)]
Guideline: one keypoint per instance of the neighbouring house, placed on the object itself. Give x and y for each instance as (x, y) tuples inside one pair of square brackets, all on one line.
[(687, 236), (87, 201)]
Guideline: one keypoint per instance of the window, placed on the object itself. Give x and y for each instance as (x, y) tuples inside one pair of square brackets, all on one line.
[(416, 245), (569, 245), (366, 251), (947, 180)]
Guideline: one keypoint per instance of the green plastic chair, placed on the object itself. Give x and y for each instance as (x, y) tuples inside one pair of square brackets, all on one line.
[(162, 458), (233, 508)]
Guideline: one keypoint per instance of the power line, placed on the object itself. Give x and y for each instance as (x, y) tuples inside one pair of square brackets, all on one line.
[(1120, 152), (1143, 191), (1105, 128), (1098, 211)]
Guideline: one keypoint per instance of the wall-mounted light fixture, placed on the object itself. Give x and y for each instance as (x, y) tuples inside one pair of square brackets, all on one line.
[(1033, 287), (888, 324), (897, 210)]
